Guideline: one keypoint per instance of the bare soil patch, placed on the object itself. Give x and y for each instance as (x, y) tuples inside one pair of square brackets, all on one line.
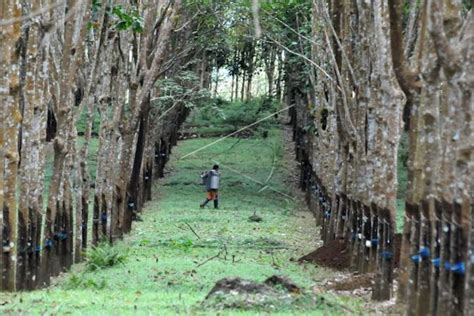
[(334, 254)]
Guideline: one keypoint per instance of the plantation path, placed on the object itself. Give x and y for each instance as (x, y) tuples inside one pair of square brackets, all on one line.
[(168, 269)]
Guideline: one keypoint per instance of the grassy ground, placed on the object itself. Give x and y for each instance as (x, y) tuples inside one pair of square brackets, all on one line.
[(402, 177), (219, 117), (166, 269)]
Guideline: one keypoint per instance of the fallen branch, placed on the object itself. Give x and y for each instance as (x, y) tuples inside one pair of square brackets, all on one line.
[(224, 250), (194, 232), (209, 259), (179, 227)]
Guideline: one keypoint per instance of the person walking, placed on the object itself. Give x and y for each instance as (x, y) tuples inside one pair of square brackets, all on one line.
[(211, 180)]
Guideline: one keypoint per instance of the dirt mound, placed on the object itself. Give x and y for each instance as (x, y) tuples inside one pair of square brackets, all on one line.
[(334, 254), (240, 293), (238, 285)]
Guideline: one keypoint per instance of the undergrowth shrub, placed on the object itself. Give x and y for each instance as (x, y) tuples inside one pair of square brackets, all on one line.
[(219, 112), (104, 256), (81, 282), (183, 244)]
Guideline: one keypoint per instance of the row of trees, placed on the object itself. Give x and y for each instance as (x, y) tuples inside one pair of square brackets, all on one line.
[(235, 48), (363, 72), (130, 66), (358, 76), (423, 49), (354, 98), (354, 72)]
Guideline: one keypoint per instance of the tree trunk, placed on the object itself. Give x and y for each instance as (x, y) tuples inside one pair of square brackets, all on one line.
[(10, 65), (32, 161), (133, 183), (279, 78)]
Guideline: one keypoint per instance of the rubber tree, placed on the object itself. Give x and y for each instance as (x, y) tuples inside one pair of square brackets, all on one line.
[(9, 130), (436, 225), (33, 150), (65, 57)]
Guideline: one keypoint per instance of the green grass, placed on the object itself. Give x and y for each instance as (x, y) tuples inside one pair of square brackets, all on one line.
[(400, 215), (165, 271), (81, 123), (402, 177), (220, 117)]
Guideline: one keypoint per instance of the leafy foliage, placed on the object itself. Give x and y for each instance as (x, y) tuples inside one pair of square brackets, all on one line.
[(184, 244), (83, 282), (104, 256), (183, 87), (123, 19), (128, 20), (219, 112)]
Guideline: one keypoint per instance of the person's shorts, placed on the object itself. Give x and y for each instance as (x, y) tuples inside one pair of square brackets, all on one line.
[(212, 194)]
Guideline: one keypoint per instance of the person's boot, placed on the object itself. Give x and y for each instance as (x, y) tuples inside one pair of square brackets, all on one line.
[(204, 203), (216, 203)]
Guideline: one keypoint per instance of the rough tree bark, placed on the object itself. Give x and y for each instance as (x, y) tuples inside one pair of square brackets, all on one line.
[(66, 54), (10, 65), (32, 149)]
